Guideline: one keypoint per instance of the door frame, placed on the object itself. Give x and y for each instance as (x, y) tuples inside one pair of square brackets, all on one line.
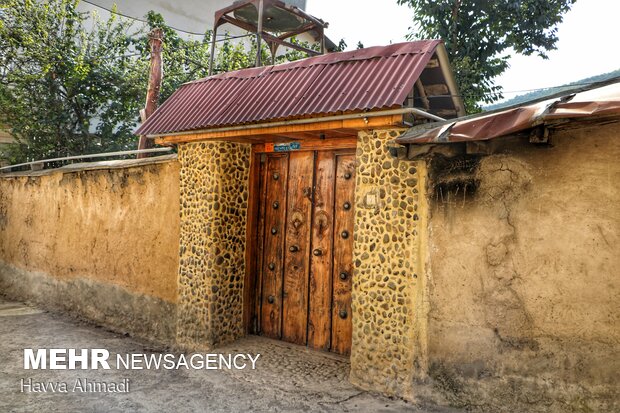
[(252, 283)]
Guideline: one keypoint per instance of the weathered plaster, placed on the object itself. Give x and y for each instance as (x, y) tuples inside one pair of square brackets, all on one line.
[(525, 293), (214, 203), (111, 225), (103, 303), (388, 349), (99, 244)]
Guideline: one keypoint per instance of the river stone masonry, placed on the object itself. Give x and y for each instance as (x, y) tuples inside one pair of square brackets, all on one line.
[(214, 202), (389, 328), (387, 347)]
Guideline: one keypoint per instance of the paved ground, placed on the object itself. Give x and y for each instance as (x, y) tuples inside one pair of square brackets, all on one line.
[(287, 379)]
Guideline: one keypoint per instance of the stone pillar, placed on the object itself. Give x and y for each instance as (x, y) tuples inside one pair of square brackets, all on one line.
[(214, 202), (389, 327)]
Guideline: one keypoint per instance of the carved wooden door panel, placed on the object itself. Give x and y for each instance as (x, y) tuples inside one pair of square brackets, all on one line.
[(343, 254), (305, 248), (272, 218), (297, 247)]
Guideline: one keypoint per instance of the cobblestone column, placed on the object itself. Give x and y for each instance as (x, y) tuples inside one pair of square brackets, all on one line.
[(214, 201), (388, 332)]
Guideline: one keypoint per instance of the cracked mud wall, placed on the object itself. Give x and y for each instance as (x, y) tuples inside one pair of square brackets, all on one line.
[(525, 287), (101, 244)]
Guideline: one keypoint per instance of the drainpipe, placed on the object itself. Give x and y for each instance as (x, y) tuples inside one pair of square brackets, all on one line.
[(41, 162)]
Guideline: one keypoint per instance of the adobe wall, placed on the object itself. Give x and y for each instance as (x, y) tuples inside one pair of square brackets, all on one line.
[(101, 244), (524, 277)]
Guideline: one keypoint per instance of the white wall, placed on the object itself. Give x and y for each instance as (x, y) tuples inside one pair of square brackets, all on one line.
[(190, 15)]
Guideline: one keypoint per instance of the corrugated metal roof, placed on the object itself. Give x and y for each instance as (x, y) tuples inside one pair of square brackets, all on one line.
[(365, 79), (597, 101)]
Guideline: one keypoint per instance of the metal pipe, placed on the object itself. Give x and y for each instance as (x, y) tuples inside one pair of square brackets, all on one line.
[(362, 115), (259, 34), (90, 156)]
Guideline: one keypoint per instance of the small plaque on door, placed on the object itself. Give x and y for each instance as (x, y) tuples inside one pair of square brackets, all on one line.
[(287, 147)]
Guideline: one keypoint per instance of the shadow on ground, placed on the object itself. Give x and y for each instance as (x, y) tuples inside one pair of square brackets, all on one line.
[(288, 378)]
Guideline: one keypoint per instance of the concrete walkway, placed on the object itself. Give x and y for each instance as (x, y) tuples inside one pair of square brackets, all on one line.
[(288, 378)]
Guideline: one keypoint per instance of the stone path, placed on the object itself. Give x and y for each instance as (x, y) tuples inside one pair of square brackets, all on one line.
[(288, 378)]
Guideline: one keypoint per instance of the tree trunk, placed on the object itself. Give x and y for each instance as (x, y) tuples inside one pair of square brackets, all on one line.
[(155, 79)]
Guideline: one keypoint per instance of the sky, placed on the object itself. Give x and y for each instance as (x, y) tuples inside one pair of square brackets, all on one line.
[(585, 48), (587, 39)]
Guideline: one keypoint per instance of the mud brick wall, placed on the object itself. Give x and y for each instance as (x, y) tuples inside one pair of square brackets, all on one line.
[(98, 241), (525, 297), (214, 203)]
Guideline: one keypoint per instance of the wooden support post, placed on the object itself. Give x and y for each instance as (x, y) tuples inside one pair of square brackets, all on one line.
[(155, 78), (212, 55), (423, 95)]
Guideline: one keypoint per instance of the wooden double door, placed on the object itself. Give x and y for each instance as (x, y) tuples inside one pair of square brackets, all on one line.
[(305, 243)]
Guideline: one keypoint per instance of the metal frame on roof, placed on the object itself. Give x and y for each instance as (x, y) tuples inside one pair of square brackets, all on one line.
[(274, 40)]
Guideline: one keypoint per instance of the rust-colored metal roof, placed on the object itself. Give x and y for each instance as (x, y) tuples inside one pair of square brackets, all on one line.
[(597, 102), (365, 79)]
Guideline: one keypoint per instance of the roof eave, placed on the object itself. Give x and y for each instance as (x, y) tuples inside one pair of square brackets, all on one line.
[(561, 106), (360, 120)]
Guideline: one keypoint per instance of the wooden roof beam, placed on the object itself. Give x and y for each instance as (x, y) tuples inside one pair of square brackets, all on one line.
[(375, 122)]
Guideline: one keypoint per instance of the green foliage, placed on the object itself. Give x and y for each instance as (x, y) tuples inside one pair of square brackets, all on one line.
[(291, 55), (481, 35), (63, 89), (234, 56), (73, 84)]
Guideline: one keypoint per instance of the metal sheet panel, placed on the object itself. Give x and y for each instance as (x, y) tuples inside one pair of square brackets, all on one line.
[(597, 102), (365, 79)]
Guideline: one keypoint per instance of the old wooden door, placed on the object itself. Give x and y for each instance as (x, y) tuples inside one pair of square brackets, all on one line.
[(305, 237)]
